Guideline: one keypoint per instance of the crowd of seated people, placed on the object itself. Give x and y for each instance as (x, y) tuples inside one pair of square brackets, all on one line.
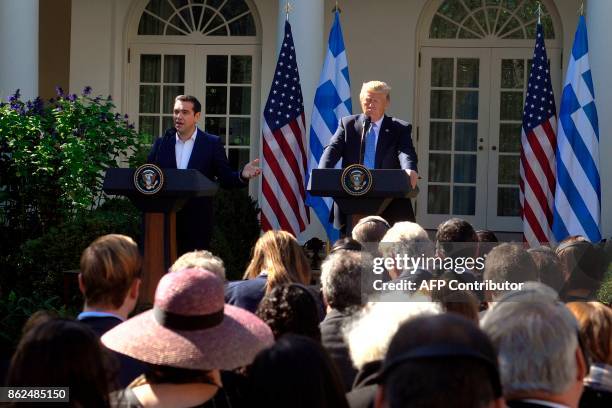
[(276, 338)]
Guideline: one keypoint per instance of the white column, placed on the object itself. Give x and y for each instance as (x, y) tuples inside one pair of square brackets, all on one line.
[(309, 34), (19, 48), (598, 16)]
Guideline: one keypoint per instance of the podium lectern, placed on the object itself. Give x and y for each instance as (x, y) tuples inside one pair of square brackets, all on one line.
[(387, 184), (160, 216)]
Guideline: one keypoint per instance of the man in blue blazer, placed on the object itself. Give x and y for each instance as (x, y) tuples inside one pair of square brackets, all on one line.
[(387, 145), (187, 147)]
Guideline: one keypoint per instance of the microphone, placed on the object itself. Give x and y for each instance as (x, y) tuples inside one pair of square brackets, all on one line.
[(366, 127)]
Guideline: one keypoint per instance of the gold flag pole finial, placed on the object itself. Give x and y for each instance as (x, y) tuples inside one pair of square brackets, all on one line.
[(539, 12), (288, 9), (336, 8), (581, 9)]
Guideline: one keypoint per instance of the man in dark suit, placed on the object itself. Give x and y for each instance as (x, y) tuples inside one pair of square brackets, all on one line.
[(187, 147), (387, 145)]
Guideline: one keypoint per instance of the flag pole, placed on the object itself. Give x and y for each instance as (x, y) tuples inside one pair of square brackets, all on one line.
[(581, 9), (336, 8), (539, 12), (288, 9)]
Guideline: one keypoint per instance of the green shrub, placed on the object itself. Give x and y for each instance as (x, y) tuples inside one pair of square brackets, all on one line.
[(235, 231), (604, 295)]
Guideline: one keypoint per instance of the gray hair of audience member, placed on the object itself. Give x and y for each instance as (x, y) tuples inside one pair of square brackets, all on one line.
[(202, 260), (548, 266), (509, 262), (406, 238), (368, 335), (342, 274), (536, 338), (370, 229)]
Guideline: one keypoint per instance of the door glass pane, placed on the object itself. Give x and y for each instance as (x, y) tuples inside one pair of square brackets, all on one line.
[(442, 72), (508, 202), (171, 92), (216, 69), (442, 28), (167, 123), (238, 157), (510, 137), (508, 170), (512, 73), (441, 104), (149, 125), (464, 200), (453, 10), (240, 100), (149, 99), (438, 199), (511, 106), (216, 99), (467, 72), (215, 126), (241, 67), (465, 136), (239, 131), (467, 105), (464, 170), (439, 167), (440, 135), (174, 68), (150, 68)]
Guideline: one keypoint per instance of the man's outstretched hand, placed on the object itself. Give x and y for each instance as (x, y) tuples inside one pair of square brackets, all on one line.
[(251, 170)]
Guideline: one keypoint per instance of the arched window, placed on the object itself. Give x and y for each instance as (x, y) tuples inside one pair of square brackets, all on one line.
[(476, 19), (474, 63), (207, 48)]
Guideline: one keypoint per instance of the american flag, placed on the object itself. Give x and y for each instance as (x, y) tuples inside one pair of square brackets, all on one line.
[(284, 159), (538, 144)]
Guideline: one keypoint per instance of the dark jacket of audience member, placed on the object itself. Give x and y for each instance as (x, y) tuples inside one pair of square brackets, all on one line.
[(364, 386), (295, 372)]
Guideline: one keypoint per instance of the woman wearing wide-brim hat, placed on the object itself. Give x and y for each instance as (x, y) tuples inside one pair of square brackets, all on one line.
[(186, 339)]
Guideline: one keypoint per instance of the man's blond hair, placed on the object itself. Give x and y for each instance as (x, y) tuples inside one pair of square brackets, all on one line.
[(376, 87), (200, 259)]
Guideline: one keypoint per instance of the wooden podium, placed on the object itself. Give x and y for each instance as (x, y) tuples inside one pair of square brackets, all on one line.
[(387, 184), (159, 216)]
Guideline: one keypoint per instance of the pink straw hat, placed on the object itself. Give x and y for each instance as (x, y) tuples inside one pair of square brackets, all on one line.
[(190, 326)]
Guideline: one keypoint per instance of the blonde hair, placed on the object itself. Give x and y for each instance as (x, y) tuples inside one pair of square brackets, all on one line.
[(595, 322), (281, 257), (202, 260), (376, 87), (109, 266)]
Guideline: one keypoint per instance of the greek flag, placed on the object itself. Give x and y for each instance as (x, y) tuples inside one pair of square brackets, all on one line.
[(578, 192), (332, 102)]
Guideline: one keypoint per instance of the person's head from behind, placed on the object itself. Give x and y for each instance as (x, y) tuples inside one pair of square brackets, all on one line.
[(459, 301), (291, 308), (342, 275), (487, 240), (595, 322), (456, 237), (375, 97), (537, 343), (295, 372), (508, 263), (405, 239), (548, 266), (200, 259), (186, 112), (370, 230), (64, 353), (434, 358), (583, 265), (346, 243), (110, 273), (278, 254)]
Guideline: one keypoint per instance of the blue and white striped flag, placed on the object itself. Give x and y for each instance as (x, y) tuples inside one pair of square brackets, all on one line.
[(578, 191), (332, 102)]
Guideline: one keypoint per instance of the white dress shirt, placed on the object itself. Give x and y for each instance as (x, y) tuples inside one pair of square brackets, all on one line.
[(183, 149)]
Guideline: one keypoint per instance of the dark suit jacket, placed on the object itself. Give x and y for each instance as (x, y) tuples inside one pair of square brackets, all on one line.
[(524, 404), (333, 341), (394, 150), (194, 220), (129, 368), (246, 294)]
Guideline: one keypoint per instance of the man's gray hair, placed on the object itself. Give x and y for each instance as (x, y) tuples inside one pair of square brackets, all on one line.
[(342, 274), (536, 340), (406, 238), (202, 260), (368, 335)]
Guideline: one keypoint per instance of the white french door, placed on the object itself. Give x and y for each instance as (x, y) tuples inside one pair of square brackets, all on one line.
[(471, 104)]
